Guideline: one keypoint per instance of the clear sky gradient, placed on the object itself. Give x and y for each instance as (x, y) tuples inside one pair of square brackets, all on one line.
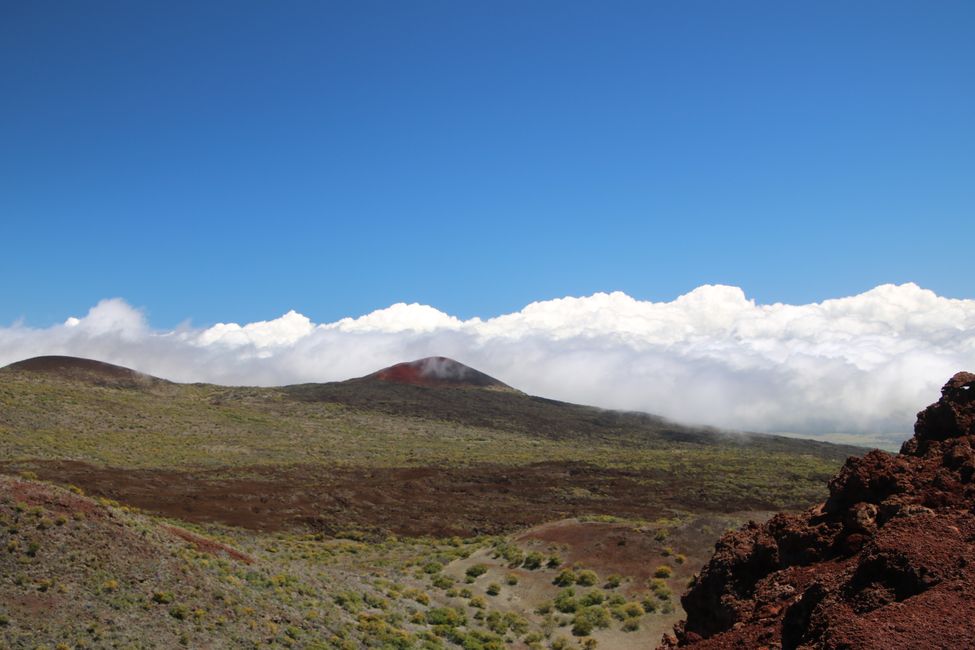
[(233, 160)]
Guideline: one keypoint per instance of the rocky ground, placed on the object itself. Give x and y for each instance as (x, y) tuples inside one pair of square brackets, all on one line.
[(888, 561)]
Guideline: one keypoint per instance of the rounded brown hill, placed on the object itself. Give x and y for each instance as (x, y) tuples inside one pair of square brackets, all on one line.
[(79, 369), (438, 372)]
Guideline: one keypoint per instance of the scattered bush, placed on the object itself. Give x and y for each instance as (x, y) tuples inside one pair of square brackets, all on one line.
[(533, 561), (633, 610), (162, 597), (565, 601), (449, 616), (586, 578), (594, 597), (588, 619), (476, 571), (663, 571), (566, 578), (443, 582)]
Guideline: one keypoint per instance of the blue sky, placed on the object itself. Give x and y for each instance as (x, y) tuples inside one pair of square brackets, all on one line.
[(232, 161)]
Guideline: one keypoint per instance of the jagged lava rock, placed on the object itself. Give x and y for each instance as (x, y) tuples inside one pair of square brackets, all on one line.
[(888, 561)]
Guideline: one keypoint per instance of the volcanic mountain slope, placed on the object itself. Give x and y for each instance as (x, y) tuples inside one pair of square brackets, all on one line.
[(438, 372), (464, 457), (364, 513), (90, 370), (412, 389), (888, 561)]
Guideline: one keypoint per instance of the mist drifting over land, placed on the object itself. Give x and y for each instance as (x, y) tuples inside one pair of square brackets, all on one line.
[(859, 365)]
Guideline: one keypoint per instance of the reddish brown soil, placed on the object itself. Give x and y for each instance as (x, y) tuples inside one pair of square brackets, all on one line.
[(888, 561), (437, 371), (38, 494), (206, 545), (407, 501), (633, 551)]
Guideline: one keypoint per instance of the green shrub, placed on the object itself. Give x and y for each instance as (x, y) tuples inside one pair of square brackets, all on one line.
[(566, 578), (586, 578), (162, 597), (594, 597), (443, 582), (613, 581), (533, 560), (565, 601), (493, 589), (449, 616), (633, 610), (560, 643), (476, 570), (588, 619), (513, 555), (663, 571)]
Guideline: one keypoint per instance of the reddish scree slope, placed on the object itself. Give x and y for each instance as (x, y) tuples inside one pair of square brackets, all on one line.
[(437, 371), (888, 561)]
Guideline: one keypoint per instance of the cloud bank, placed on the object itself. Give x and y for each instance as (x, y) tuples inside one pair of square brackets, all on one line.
[(861, 365)]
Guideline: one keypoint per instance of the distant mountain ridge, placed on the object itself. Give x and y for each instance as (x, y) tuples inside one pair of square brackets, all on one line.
[(428, 388)]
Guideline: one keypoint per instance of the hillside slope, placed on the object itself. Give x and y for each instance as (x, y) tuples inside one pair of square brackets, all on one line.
[(384, 454)]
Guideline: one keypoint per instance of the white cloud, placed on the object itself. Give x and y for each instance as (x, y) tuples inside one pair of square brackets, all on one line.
[(863, 364)]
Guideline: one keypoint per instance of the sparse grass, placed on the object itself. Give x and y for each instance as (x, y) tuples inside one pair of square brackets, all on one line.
[(189, 426), (121, 580)]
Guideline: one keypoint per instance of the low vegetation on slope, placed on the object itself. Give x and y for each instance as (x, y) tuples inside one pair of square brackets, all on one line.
[(376, 425), (77, 572), (373, 513)]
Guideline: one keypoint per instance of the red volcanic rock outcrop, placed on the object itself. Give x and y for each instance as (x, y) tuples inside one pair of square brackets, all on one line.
[(888, 561), (437, 371)]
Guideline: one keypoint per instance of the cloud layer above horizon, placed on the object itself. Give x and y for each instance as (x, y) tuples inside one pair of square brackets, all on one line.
[(861, 365)]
